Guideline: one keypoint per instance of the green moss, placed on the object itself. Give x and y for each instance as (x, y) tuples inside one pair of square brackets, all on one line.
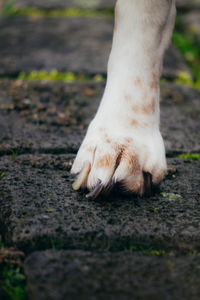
[(190, 156), (2, 176), (14, 153), (186, 45), (10, 9), (185, 78), (55, 245), (155, 210), (12, 279), (157, 252), (146, 251), (193, 253), (171, 196), (54, 75), (50, 210), (189, 45), (71, 12), (1, 244), (13, 284)]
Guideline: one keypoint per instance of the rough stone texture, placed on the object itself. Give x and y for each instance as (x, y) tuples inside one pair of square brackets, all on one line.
[(92, 4), (52, 4), (191, 22), (45, 117), (53, 117), (180, 118), (84, 276), (66, 44), (38, 208), (174, 63), (187, 5), (41, 127)]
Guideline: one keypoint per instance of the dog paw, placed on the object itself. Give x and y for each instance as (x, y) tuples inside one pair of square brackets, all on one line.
[(107, 156)]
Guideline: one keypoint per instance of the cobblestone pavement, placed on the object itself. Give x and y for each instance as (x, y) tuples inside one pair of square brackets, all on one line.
[(119, 247)]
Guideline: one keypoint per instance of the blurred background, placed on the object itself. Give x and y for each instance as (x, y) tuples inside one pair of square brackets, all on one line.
[(53, 57), (71, 39)]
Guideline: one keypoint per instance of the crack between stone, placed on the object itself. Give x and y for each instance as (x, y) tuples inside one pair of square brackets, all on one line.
[(60, 151)]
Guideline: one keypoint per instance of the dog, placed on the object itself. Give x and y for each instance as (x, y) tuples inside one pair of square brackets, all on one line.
[(123, 143)]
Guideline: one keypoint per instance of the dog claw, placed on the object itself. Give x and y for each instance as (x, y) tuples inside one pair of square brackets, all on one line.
[(147, 184), (108, 188), (82, 176), (96, 191)]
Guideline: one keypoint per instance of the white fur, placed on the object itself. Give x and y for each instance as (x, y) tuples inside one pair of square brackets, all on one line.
[(143, 31)]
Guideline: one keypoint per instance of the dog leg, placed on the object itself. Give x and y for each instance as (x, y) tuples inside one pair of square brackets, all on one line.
[(123, 142)]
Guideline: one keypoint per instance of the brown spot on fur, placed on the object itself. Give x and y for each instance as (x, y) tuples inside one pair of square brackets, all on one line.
[(135, 108), (150, 107), (90, 149), (134, 186), (127, 98), (138, 82), (144, 125), (158, 177), (128, 140), (132, 160), (134, 169), (117, 147), (145, 96), (134, 164), (153, 85), (154, 64), (148, 51), (108, 141), (134, 123), (155, 82), (105, 161)]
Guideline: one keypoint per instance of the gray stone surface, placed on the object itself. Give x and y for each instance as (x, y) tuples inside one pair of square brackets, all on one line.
[(188, 5), (38, 209), (180, 118), (92, 4), (53, 117), (52, 4), (66, 44), (84, 276), (38, 205), (174, 63), (191, 22), (154, 242), (45, 117)]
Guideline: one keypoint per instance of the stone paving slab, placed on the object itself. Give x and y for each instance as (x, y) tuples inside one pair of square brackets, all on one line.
[(84, 276), (79, 45), (53, 117), (188, 5), (180, 118), (52, 4), (191, 22), (39, 209), (45, 117), (92, 4)]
